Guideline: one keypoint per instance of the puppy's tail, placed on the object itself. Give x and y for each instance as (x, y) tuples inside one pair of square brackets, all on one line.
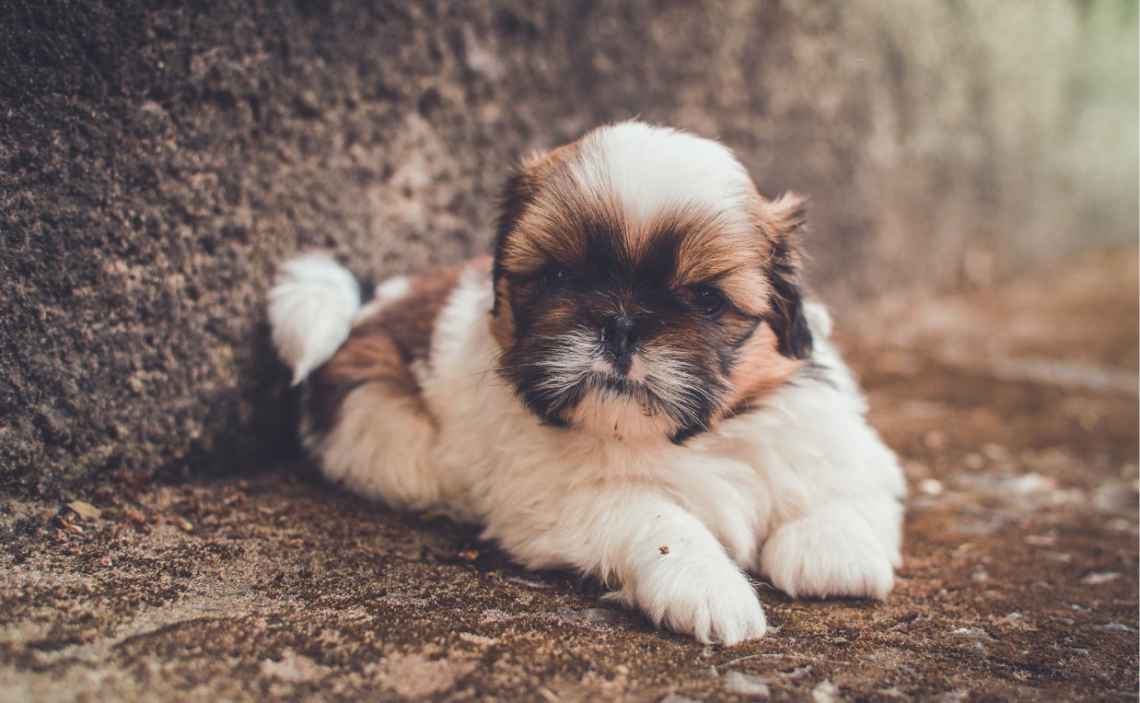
[(311, 308)]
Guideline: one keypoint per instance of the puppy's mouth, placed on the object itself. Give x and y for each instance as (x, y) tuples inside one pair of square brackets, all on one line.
[(632, 369), (603, 376), (633, 380), (612, 382)]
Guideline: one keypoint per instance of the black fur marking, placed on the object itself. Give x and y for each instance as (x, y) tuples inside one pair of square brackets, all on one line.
[(742, 409), (658, 263), (554, 421), (606, 261), (815, 372), (323, 400), (367, 286), (793, 336), (686, 433)]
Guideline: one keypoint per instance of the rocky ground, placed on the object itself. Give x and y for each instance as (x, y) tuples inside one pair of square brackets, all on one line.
[(1016, 414)]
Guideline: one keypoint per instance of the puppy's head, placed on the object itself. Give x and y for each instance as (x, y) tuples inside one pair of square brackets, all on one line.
[(643, 287)]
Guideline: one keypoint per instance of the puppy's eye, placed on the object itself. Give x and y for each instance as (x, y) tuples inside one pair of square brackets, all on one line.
[(555, 276), (708, 299)]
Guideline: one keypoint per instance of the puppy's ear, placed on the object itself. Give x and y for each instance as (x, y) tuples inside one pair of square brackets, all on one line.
[(517, 193), (782, 220)]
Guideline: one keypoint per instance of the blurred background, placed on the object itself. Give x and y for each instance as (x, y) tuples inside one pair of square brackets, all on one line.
[(159, 160)]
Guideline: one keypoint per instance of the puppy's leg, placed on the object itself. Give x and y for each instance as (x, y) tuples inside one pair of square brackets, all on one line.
[(830, 551), (668, 564), (837, 492), (366, 423)]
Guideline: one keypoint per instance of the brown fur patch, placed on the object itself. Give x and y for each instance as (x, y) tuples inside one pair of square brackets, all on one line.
[(364, 358), (734, 260), (410, 321), (383, 347), (549, 223), (760, 369), (782, 216), (710, 249), (550, 229), (503, 322)]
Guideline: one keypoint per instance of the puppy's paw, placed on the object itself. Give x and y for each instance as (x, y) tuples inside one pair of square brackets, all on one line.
[(828, 553), (713, 602)]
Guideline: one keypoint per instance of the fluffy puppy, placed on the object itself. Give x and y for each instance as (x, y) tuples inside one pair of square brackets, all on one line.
[(634, 388)]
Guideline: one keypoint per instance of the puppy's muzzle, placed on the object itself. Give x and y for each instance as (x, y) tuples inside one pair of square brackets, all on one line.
[(619, 338)]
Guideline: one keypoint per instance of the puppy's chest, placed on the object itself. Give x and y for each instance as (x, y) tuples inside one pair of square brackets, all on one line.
[(501, 468)]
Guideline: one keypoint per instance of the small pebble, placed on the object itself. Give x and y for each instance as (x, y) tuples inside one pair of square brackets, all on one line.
[(1114, 498), (930, 486), (934, 439), (749, 685), (528, 583), (974, 633), (1096, 579), (974, 461), (995, 452), (825, 692), (85, 510), (1119, 524)]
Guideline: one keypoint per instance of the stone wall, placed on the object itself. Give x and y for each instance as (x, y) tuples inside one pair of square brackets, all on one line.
[(157, 159)]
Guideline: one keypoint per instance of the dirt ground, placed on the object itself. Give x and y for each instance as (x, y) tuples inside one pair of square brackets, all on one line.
[(1014, 410)]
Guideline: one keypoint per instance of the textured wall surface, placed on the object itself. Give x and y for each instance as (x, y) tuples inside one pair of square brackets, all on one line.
[(158, 159)]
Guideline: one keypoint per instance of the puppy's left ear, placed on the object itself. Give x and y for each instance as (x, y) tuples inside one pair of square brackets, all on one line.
[(782, 220)]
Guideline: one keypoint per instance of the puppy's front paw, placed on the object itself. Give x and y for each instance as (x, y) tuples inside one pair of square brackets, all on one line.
[(713, 602), (828, 553)]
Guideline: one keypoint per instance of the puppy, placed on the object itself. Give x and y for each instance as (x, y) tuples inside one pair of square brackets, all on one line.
[(634, 388)]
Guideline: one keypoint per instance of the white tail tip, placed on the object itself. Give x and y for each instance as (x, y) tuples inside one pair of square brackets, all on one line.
[(311, 309)]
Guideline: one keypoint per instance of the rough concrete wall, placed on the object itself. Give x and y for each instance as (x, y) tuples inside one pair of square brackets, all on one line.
[(158, 159)]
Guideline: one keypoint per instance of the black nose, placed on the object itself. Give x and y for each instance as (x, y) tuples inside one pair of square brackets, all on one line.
[(619, 339)]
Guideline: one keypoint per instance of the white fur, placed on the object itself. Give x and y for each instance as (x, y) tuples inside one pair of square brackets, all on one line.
[(653, 169), (384, 455), (311, 309), (800, 490)]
